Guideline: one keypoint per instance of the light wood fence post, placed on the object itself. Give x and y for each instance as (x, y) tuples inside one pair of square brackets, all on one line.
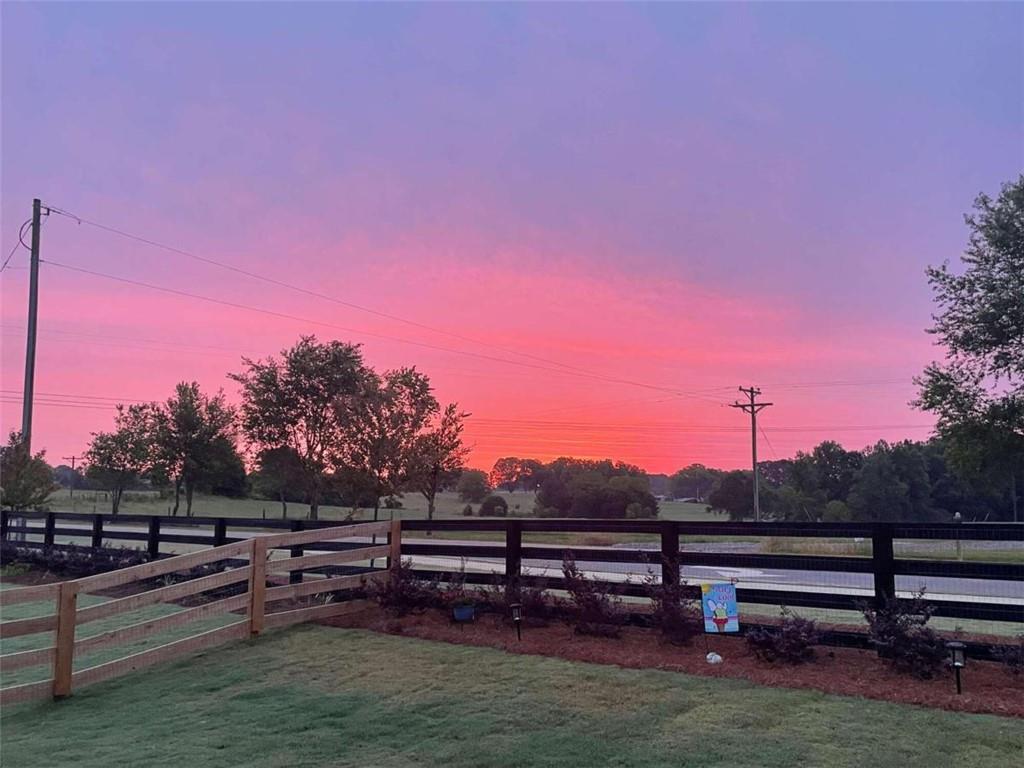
[(257, 585), (395, 558), (64, 651)]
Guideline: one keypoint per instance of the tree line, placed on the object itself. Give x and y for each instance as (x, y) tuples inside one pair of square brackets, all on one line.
[(318, 422)]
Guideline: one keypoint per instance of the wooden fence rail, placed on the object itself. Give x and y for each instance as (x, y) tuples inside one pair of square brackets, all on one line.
[(258, 554)]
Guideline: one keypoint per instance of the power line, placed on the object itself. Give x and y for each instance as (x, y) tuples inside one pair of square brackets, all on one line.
[(316, 294), (346, 329)]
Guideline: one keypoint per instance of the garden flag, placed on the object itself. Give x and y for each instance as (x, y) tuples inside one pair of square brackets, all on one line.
[(721, 613)]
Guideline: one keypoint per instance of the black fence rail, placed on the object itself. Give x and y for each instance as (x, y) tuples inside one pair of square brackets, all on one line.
[(871, 577)]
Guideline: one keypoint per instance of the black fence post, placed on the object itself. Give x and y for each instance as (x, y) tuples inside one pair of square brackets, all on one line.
[(220, 532), (295, 577), (883, 563), (48, 530), (513, 551), (5, 522), (97, 531), (669, 552), (153, 540)]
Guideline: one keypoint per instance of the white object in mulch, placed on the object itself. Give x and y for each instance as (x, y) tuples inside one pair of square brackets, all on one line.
[(714, 658)]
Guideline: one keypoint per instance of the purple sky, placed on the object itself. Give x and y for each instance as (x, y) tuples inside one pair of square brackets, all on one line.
[(690, 197)]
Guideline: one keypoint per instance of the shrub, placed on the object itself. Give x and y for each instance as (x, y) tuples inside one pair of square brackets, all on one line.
[(72, 561), (677, 616), (392, 502), (467, 511), (538, 607), (402, 593), (595, 610), (898, 629), (1012, 656), (792, 641), (494, 506)]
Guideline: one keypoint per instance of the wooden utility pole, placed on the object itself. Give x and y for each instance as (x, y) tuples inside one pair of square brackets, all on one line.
[(72, 459), (30, 338), (753, 408)]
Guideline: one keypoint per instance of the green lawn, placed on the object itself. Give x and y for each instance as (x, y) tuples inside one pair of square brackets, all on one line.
[(82, 661), (315, 696)]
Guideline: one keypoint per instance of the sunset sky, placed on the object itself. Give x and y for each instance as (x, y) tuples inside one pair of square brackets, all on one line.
[(587, 224)]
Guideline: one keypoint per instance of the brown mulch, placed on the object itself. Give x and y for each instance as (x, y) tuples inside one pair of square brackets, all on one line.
[(988, 689)]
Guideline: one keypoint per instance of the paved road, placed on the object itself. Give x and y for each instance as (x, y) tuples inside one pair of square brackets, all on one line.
[(828, 582)]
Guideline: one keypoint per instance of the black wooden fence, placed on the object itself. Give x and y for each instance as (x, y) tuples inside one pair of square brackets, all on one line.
[(666, 555)]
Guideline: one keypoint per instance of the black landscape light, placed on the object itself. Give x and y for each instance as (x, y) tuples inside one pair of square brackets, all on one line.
[(958, 659), (517, 618)]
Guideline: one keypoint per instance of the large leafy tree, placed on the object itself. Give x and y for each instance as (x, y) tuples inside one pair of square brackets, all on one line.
[(511, 472), (438, 456), (382, 425), (695, 481), (194, 435), (279, 475), (977, 393), (472, 485), (119, 458), (295, 401), (27, 479)]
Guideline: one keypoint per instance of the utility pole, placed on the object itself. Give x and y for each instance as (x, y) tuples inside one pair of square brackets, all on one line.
[(72, 459), (753, 408), (30, 340)]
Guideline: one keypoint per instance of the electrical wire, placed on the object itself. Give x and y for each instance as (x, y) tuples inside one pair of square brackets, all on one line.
[(347, 329)]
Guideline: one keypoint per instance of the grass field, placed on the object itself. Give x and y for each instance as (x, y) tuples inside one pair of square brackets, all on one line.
[(82, 661), (414, 506), (316, 696)]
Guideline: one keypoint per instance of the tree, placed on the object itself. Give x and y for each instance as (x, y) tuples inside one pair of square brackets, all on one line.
[(27, 479), (294, 402), (223, 470), (193, 433), (734, 495), (978, 392), (279, 475), (693, 482), (473, 485), (119, 458), (438, 456), (511, 472), (382, 424)]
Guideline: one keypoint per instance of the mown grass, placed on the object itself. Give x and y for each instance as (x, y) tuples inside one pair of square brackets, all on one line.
[(85, 660), (315, 696)]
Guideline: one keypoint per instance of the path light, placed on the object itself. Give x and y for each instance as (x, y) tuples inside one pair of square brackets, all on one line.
[(517, 618), (958, 658)]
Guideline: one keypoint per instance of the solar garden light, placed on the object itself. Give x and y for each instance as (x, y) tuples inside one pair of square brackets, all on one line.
[(517, 618), (959, 659)]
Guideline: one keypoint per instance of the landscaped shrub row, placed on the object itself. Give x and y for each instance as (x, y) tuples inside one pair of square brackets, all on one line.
[(898, 629)]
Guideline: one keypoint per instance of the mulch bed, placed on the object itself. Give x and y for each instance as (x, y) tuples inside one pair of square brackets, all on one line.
[(988, 689)]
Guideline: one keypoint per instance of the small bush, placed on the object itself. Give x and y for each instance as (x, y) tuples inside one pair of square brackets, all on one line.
[(467, 511), (595, 610), (898, 629), (392, 502), (402, 593), (494, 506), (1012, 657), (538, 607), (677, 616), (792, 641), (72, 561)]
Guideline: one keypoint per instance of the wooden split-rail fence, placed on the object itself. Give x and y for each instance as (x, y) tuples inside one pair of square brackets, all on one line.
[(251, 562)]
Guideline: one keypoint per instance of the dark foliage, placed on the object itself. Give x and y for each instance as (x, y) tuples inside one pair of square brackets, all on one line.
[(538, 608), (403, 593), (676, 616), (71, 561), (898, 629), (494, 506), (792, 641), (594, 609), (1012, 656)]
